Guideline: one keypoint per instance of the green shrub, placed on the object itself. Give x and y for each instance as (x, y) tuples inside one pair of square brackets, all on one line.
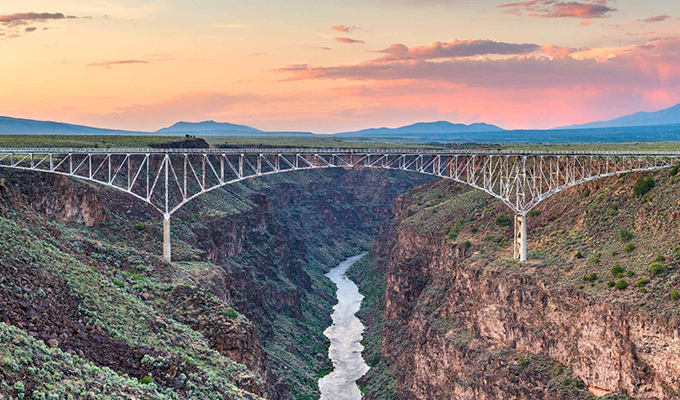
[(657, 268), (504, 220), (558, 370), (231, 313), (611, 283), (467, 244), (579, 255), (643, 186), (596, 258), (592, 277), (642, 282), (674, 170), (677, 251), (630, 247), (630, 273), (617, 271), (534, 213), (118, 283), (140, 226), (41, 293), (622, 284), (625, 235), (146, 380), (675, 295), (522, 362), (659, 258)]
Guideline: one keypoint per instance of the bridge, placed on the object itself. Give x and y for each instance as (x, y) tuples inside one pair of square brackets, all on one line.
[(167, 179)]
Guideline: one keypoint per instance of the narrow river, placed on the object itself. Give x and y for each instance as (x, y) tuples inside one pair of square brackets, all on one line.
[(345, 336)]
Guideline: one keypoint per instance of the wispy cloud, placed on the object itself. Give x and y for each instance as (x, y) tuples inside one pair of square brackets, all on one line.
[(348, 40), (26, 18), (345, 28), (109, 64), (455, 49), (654, 64), (319, 47), (656, 18), (555, 9)]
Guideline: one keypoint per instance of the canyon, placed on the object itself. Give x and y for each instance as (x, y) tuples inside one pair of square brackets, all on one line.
[(240, 313)]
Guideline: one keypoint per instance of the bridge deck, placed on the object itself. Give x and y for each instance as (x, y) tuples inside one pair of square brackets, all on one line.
[(307, 150)]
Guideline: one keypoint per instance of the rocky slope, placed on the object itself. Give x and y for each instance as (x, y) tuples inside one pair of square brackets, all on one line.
[(239, 315), (452, 316)]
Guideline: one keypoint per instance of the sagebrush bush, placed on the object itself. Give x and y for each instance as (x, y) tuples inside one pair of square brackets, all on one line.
[(503, 220), (617, 270), (675, 295), (643, 186), (625, 235), (622, 284), (657, 268)]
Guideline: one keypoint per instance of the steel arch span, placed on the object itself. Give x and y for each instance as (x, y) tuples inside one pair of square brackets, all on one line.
[(167, 179)]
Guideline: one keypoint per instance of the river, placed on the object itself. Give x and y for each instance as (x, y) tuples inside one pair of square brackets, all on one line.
[(345, 336)]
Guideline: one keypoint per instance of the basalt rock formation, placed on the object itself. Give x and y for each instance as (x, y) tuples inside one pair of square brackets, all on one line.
[(451, 315)]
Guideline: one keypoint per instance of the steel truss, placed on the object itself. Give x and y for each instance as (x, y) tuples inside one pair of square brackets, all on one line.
[(168, 179)]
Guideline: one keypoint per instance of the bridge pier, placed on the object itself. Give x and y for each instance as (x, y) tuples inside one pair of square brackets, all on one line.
[(166, 238), (520, 242)]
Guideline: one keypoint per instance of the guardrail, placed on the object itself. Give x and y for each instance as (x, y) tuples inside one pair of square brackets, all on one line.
[(306, 150)]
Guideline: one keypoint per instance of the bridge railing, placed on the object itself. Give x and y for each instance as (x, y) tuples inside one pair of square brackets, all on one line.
[(307, 150)]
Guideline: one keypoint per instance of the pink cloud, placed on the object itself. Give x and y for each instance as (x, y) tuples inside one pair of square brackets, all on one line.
[(520, 4), (555, 9), (559, 51), (654, 64), (24, 18), (455, 49), (348, 40), (657, 18), (108, 64), (345, 28), (578, 10)]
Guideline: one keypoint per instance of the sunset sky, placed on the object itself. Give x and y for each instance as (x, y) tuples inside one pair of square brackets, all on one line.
[(327, 66)]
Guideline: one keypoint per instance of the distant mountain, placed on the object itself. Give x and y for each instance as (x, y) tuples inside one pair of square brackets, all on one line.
[(21, 126), (209, 127), (669, 116), (425, 130)]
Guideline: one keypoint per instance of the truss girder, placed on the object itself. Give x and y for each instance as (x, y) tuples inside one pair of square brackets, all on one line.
[(168, 179)]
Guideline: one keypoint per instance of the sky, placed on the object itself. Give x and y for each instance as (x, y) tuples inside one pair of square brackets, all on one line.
[(330, 66)]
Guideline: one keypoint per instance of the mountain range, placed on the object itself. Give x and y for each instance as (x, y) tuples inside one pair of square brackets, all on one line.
[(669, 116), (429, 130), (208, 127), (641, 126), (19, 126)]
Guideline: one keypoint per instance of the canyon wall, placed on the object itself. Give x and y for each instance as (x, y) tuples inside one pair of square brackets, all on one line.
[(452, 316), (247, 274)]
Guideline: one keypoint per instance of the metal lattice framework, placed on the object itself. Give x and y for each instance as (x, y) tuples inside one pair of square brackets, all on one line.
[(168, 179)]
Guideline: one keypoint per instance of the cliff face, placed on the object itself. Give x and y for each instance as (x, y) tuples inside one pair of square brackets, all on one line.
[(459, 319), (248, 278)]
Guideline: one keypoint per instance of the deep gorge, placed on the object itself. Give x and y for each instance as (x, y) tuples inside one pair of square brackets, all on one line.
[(248, 277)]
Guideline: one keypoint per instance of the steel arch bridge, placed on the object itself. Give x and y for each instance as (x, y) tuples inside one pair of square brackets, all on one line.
[(167, 179)]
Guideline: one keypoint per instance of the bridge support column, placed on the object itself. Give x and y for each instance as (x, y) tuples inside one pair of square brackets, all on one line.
[(520, 243), (166, 238)]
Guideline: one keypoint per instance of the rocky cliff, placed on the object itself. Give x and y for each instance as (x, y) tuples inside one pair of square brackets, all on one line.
[(247, 286), (452, 316)]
